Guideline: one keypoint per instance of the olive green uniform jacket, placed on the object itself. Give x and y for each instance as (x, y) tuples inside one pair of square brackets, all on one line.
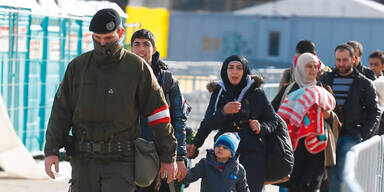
[(102, 100)]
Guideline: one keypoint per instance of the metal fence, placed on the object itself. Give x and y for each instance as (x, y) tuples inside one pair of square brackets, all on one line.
[(193, 78), (363, 170), (34, 52)]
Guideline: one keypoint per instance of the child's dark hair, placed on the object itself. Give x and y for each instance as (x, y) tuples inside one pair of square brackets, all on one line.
[(357, 46), (305, 46), (377, 54)]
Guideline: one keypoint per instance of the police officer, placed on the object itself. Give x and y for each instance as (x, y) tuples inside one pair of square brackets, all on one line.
[(102, 96)]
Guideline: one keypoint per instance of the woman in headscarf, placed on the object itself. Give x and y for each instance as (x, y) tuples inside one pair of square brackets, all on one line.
[(304, 106), (239, 105)]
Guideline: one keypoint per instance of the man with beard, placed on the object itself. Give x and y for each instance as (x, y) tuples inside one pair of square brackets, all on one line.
[(357, 108), (101, 98)]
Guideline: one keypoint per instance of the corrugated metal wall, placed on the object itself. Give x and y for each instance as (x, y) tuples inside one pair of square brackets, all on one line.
[(210, 37), (327, 33), (213, 37)]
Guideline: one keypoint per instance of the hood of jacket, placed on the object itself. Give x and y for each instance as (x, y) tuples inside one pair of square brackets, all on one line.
[(157, 64), (250, 81)]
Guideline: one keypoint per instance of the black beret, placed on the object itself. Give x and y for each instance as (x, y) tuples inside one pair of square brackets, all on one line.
[(105, 21)]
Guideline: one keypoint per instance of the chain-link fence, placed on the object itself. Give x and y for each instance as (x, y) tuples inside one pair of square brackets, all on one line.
[(193, 78), (35, 50), (34, 53)]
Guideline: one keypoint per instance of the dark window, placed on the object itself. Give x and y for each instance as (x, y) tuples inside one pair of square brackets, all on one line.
[(274, 40)]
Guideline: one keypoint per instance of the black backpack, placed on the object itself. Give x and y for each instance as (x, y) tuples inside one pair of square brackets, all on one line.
[(167, 83), (279, 153)]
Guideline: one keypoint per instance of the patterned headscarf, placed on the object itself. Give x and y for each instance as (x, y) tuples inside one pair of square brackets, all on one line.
[(300, 78)]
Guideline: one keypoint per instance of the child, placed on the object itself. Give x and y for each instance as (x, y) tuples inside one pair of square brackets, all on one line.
[(220, 171)]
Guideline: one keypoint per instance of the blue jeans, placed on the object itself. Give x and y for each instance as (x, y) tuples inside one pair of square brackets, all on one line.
[(335, 173)]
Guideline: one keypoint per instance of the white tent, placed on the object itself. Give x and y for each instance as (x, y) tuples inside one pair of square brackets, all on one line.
[(26, 4), (51, 8), (63, 8), (15, 3), (317, 8), (88, 8), (15, 159)]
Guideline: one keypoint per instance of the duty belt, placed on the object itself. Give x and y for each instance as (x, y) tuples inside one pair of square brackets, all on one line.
[(102, 147)]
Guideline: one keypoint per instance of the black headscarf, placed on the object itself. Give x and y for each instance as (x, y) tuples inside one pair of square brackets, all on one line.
[(233, 91)]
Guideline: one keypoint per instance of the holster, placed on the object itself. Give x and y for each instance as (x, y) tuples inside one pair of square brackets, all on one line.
[(70, 146)]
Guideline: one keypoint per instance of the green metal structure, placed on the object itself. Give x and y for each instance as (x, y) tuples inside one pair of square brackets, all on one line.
[(35, 50)]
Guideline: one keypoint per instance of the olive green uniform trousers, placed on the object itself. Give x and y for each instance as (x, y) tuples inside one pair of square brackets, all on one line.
[(94, 175)]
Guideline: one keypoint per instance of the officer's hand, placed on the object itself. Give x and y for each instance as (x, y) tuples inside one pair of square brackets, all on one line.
[(52, 159), (171, 169), (181, 170), (191, 150)]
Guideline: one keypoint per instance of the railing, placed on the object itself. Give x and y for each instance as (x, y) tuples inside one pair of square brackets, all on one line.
[(35, 49), (363, 170)]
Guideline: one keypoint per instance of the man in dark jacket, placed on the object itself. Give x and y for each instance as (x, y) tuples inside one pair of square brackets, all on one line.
[(357, 108), (102, 96), (358, 54), (143, 45)]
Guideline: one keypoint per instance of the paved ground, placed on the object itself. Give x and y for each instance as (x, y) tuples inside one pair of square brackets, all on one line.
[(61, 185), (22, 185)]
